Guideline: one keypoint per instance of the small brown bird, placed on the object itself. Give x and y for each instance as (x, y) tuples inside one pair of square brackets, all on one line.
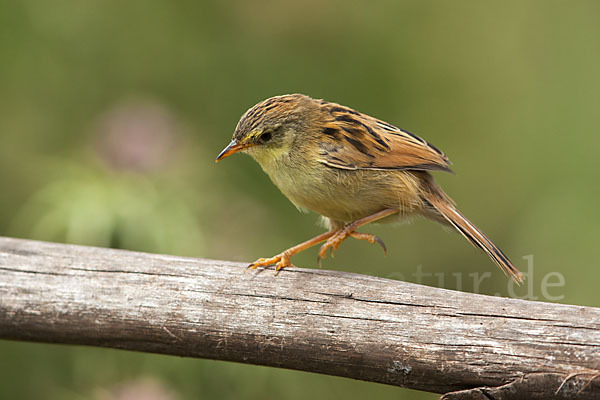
[(350, 168)]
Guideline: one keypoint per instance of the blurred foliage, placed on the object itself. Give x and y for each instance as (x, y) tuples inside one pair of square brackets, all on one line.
[(111, 114)]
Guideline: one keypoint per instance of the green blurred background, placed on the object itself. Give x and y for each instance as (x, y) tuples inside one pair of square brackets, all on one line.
[(111, 115)]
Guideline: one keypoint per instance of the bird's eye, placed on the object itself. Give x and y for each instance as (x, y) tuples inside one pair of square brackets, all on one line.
[(265, 137)]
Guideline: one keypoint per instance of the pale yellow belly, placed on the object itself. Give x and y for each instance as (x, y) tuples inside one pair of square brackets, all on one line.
[(349, 195)]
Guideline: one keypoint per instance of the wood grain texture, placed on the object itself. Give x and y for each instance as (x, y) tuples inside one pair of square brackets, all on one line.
[(465, 345)]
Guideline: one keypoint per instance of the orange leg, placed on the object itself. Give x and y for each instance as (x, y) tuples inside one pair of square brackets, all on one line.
[(342, 234), (282, 260)]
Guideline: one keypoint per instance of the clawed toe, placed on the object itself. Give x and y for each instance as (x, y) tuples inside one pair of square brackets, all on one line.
[(280, 261), (264, 262), (332, 244), (370, 238)]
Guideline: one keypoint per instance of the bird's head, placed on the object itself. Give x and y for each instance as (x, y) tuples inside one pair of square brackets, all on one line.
[(269, 129)]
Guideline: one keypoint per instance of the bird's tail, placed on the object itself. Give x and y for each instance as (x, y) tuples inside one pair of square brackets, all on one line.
[(442, 206)]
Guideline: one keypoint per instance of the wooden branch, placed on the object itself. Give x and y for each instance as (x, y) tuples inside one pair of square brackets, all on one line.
[(465, 345)]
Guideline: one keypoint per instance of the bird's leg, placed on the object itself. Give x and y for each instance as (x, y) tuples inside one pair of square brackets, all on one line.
[(340, 235), (282, 260)]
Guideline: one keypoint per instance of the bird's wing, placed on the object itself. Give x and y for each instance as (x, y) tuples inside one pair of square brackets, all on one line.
[(352, 140)]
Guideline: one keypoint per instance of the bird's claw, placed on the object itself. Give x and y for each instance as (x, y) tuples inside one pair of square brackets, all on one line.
[(332, 244), (336, 240), (280, 261), (370, 238)]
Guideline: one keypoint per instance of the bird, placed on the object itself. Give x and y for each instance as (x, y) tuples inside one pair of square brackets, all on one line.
[(350, 168)]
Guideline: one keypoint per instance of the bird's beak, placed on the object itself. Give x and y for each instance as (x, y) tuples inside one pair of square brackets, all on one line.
[(231, 148)]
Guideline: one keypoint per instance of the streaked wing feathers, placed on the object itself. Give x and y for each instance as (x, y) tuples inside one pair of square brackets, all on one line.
[(352, 140)]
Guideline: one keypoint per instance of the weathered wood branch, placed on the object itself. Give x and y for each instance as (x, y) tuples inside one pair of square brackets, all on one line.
[(465, 345)]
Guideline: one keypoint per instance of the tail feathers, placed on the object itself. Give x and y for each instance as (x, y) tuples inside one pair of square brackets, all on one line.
[(473, 235)]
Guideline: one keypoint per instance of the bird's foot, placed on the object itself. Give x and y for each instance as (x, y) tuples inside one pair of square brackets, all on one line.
[(280, 261), (336, 240), (333, 243)]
